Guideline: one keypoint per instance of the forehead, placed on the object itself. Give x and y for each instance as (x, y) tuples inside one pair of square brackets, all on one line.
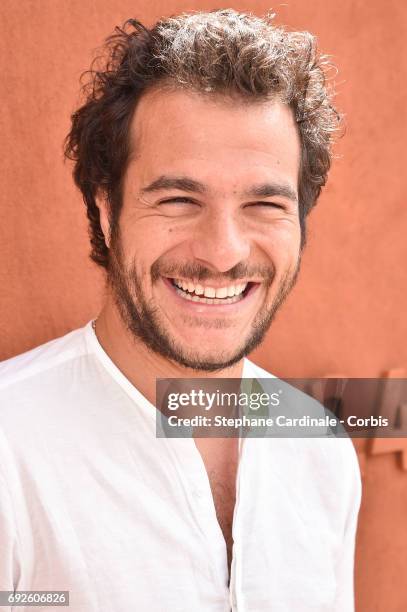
[(181, 131)]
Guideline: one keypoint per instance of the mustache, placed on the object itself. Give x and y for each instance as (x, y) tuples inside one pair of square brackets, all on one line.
[(197, 272)]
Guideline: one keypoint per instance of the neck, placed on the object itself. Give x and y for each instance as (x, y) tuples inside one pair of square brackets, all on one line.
[(138, 363)]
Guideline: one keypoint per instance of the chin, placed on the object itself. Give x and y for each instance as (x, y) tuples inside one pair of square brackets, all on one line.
[(209, 361), (219, 357), (210, 347)]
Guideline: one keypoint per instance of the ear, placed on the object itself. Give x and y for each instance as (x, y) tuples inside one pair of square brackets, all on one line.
[(104, 217)]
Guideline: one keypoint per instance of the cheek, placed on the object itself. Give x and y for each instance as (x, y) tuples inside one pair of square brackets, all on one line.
[(145, 245), (282, 246)]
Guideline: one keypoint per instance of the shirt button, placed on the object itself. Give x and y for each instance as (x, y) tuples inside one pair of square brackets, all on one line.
[(198, 494)]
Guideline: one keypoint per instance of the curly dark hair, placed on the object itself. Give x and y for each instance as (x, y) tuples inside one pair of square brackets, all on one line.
[(219, 52)]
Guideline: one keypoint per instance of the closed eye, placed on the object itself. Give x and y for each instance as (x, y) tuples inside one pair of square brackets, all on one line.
[(268, 205), (178, 200)]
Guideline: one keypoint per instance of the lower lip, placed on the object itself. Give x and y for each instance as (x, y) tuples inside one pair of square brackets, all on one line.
[(216, 309)]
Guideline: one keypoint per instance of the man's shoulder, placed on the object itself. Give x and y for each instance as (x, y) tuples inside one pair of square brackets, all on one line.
[(39, 361)]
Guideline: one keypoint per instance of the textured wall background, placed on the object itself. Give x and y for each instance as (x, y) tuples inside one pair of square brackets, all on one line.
[(347, 314)]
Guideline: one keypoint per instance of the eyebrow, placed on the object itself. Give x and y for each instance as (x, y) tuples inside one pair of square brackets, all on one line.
[(267, 190), (184, 183)]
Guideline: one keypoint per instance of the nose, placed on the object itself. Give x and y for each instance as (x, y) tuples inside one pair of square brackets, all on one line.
[(220, 241)]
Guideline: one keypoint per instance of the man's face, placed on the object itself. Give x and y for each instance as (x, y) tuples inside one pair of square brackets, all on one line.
[(208, 240)]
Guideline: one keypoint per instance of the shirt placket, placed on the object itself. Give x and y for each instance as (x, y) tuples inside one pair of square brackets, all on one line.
[(235, 569), (198, 489)]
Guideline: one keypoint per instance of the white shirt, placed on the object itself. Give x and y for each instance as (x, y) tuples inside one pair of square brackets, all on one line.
[(91, 501)]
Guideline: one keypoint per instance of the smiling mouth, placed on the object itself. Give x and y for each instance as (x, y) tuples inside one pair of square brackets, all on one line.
[(195, 292)]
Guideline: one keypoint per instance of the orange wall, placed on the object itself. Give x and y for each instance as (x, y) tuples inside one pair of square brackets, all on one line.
[(348, 312)]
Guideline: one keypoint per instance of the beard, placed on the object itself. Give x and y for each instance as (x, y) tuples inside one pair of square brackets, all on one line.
[(142, 319)]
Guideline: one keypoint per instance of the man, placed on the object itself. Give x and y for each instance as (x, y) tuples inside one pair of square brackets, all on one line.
[(202, 145)]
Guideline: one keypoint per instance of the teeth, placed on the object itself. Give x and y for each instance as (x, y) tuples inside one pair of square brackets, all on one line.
[(222, 293), (199, 290), (209, 292), (205, 300)]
